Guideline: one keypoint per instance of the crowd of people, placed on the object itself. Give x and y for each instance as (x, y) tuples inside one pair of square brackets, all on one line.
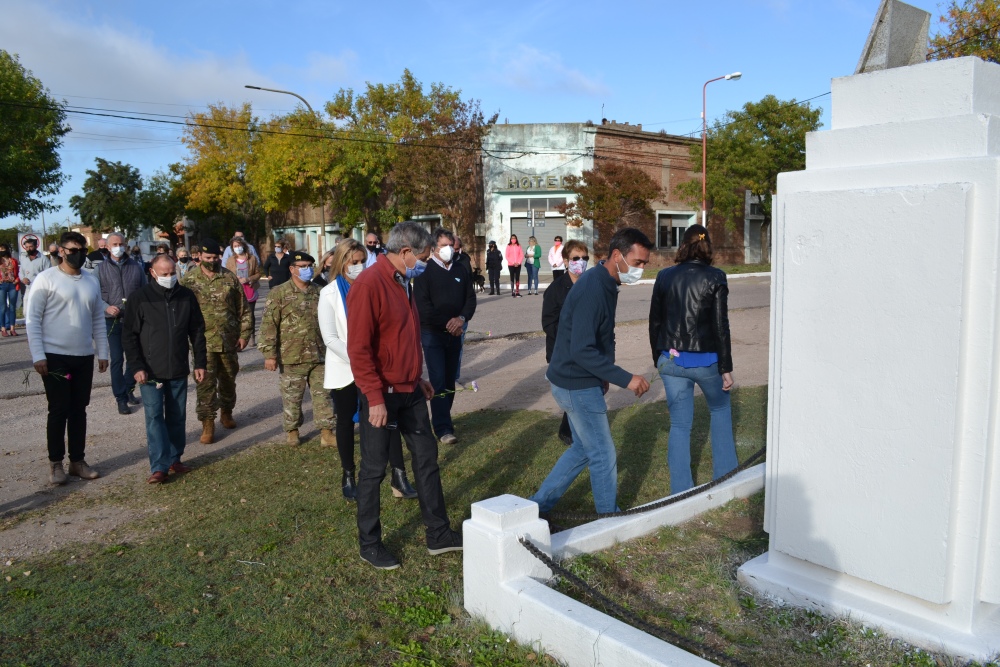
[(356, 329)]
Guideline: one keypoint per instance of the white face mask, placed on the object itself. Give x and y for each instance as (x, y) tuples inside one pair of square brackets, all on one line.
[(446, 253), (632, 276), (167, 282), (238, 250), (117, 251), (354, 270)]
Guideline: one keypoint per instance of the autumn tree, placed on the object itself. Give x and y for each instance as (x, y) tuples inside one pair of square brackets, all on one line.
[(612, 195), (161, 202), (973, 29), (32, 125), (110, 200)]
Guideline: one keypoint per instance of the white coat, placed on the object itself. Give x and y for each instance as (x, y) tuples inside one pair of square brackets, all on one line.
[(333, 326)]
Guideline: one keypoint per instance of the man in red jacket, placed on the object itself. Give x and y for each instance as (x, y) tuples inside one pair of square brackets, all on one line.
[(383, 343)]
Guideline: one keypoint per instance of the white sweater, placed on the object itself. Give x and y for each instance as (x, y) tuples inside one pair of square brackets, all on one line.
[(64, 314)]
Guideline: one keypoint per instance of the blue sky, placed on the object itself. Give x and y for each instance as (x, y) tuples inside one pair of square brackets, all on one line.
[(550, 61)]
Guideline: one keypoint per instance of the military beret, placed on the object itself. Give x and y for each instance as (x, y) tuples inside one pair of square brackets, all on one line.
[(211, 246), (299, 256)]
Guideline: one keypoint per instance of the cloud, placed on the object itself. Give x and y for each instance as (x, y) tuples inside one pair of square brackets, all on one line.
[(327, 68), (531, 70)]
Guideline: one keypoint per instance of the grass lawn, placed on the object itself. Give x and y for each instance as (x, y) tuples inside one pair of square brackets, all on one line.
[(730, 269), (171, 588)]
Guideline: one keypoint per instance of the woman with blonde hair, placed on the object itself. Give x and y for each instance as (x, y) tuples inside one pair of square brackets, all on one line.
[(324, 274), (347, 261), (247, 269)]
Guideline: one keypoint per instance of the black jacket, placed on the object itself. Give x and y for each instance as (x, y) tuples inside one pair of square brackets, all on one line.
[(552, 303), (158, 326), (441, 294), (277, 269), (463, 259), (494, 260), (689, 312)]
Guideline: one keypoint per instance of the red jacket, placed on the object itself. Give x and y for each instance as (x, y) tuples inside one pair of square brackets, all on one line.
[(383, 333)]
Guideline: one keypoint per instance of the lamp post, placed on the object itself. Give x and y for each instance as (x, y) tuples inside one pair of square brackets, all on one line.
[(704, 143), (322, 201)]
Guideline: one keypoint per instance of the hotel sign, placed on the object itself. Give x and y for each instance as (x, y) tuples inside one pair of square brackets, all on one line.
[(517, 182)]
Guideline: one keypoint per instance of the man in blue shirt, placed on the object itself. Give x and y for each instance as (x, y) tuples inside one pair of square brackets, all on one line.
[(583, 367)]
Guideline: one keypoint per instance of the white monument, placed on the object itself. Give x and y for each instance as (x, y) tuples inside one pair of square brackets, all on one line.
[(883, 478)]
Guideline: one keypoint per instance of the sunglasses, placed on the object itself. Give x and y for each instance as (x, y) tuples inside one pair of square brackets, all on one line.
[(585, 258), (71, 251)]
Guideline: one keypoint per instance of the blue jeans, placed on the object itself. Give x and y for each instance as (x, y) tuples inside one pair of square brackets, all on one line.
[(8, 305), (592, 448), (532, 277), (443, 353), (122, 376), (679, 385), (166, 421)]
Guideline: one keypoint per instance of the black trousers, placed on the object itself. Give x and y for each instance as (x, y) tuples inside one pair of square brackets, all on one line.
[(345, 404), (515, 278), (494, 280), (408, 415), (67, 388)]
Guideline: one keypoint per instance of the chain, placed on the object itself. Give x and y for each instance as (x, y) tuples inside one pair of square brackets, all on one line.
[(671, 637)]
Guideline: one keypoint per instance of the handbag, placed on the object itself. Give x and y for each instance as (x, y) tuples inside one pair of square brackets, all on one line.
[(250, 293)]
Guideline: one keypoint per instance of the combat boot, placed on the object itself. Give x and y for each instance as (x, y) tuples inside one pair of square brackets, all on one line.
[(293, 438), (327, 438), (227, 419), (207, 431)]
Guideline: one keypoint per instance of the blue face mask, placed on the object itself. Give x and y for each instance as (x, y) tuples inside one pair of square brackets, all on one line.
[(305, 273), (417, 269)]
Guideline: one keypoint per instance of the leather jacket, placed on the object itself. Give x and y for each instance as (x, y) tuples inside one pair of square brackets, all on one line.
[(689, 312)]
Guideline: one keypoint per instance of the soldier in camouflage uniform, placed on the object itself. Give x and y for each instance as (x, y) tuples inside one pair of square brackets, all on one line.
[(290, 338), (227, 329)]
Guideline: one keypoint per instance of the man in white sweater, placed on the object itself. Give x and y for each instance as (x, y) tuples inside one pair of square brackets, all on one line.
[(65, 323)]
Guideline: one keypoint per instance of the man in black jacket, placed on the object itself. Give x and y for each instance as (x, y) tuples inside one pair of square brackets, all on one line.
[(162, 319), (445, 301)]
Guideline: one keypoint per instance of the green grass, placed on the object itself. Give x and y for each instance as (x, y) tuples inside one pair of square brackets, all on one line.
[(170, 589), (730, 269)]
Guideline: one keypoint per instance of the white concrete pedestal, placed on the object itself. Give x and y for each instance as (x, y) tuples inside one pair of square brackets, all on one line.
[(883, 479)]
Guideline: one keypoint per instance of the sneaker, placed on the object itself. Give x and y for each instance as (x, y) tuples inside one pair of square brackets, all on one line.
[(449, 439), (82, 470), (452, 541), (379, 557)]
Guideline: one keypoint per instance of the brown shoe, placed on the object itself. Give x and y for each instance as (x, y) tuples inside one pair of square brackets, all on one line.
[(227, 419), (157, 477), (82, 470), (327, 438), (293, 438), (179, 468), (57, 475), (207, 431)]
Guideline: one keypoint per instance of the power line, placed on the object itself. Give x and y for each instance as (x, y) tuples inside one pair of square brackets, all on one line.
[(993, 26)]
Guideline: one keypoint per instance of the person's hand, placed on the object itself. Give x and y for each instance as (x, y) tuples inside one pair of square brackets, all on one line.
[(140, 377), (243, 281), (639, 385), (454, 326), (427, 388), (378, 415), (112, 311), (241, 344), (270, 364), (42, 367), (199, 375), (727, 381), (102, 365)]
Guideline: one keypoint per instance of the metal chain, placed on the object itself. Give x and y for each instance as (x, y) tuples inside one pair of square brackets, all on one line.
[(671, 637), (579, 516)]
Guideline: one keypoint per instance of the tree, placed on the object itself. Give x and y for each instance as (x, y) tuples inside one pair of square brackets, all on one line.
[(612, 195), (973, 30), (32, 125), (161, 202), (747, 149), (110, 198)]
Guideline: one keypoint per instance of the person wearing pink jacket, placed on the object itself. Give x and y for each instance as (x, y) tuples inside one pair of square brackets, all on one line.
[(514, 254)]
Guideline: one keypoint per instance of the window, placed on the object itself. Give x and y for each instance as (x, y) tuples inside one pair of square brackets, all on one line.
[(525, 204), (670, 228)]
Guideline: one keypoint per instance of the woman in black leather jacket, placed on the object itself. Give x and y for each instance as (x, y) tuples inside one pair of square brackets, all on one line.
[(689, 337)]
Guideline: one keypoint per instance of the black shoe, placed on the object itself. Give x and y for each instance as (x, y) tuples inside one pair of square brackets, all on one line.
[(133, 399), (349, 486), (379, 557), (452, 541), (401, 486), (492, 292), (123, 408)]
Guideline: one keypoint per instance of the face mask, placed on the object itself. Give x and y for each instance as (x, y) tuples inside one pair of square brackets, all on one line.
[(354, 270), (183, 260), (305, 273), (417, 269), (446, 253), (75, 260), (279, 250), (167, 282), (4, 254), (117, 251), (577, 267), (372, 247), (632, 276), (238, 250), (213, 266)]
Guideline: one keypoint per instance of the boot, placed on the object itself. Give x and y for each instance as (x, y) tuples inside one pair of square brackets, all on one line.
[(327, 438), (292, 438), (401, 486), (207, 431), (82, 470), (57, 475), (349, 486), (227, 419)]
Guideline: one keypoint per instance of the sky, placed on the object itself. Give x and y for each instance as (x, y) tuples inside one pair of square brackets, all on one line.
[(532, 62)]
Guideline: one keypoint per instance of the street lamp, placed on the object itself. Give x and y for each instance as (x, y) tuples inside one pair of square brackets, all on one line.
[(322, 201), (735, 76)]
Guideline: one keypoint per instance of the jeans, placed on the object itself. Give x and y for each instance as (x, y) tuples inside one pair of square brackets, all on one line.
[(67, 388), (458, 371), (408, 415), (122, 376), (592, 448), (443, 353), (8, 305), (679, 385), (166, 421), (532, 276)]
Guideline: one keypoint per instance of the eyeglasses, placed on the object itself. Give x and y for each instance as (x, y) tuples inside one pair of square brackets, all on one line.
[(71, 251), (577, 259)]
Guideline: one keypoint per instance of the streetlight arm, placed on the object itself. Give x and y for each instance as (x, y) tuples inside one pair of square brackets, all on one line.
[(735, 76), (286, 92)]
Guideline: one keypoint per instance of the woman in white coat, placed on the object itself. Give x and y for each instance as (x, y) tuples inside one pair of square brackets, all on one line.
[(348, 263)]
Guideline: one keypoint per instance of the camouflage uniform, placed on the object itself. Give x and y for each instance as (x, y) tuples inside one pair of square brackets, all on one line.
[(227, 321), (289, 333)]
